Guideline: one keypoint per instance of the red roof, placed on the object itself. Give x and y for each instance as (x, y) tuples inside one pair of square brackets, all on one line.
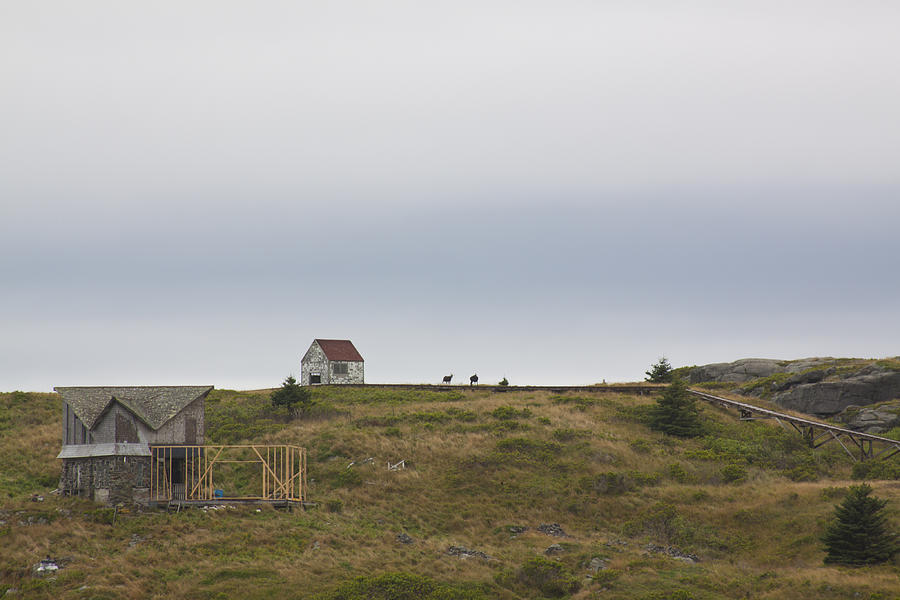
[(339, 350)]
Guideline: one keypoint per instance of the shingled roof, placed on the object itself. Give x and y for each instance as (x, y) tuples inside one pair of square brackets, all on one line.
[(154, 405), (339, 350)]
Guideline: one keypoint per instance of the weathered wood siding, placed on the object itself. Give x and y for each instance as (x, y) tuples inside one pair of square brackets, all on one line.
[(187, 427), (119, 422), (73, 430)]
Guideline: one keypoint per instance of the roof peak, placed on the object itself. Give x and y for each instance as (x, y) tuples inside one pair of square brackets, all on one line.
[(339, 350), (153, 404)]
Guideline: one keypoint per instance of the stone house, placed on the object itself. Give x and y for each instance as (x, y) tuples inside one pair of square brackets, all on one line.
[(331, 361), (108, 433)]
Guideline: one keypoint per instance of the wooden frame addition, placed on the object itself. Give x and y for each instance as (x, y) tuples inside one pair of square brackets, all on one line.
[(185, 473)]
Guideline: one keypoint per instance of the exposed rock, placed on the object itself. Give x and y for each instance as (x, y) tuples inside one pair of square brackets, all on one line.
[(818, 386), (805, 364), (516, 530), (552, 529), (673, 552), (875, 419), (554, 549), (806, 377), (870, 385), (404, 538), (463, 552), (48, 566), (597, 564), (739, 371)]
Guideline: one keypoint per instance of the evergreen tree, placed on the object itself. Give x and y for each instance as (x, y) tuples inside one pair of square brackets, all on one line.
[(660, 371), (860, 534), (292, 395), (675, 412)]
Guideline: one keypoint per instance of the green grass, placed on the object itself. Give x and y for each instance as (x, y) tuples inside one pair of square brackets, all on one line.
[(748, 498)]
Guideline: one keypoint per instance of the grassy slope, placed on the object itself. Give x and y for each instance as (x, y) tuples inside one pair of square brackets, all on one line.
[(587, 463)]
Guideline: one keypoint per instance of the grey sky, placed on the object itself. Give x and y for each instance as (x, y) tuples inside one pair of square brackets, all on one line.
[(555, 192)]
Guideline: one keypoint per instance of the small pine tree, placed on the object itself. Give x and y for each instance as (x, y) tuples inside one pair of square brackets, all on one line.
[(859, 534), (660, 371), (292, 395), (676, 413)]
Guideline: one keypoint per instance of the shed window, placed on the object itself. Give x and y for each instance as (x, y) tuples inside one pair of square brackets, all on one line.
[(340, 368)]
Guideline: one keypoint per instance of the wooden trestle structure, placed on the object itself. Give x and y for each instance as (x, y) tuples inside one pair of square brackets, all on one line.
[(865, 445), (185, 474)]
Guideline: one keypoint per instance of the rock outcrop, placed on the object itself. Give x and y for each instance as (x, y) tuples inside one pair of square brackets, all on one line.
[(817, 386), (870, 385), (872, 419), (739, 371)]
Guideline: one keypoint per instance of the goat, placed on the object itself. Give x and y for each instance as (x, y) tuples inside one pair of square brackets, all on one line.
[(447, 378), (473, 380)]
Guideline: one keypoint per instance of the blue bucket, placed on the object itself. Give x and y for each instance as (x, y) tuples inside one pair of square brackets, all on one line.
[(219, 493)]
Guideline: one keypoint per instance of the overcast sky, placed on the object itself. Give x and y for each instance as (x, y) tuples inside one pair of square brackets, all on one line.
[(555, 192)]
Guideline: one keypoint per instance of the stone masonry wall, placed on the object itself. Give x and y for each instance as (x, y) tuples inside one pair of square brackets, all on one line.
[(314, 362), (355, 373), (110, 479)]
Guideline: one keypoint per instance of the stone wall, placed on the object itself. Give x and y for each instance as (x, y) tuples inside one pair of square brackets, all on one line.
[(110, 479), (314, 362), (354, 373)]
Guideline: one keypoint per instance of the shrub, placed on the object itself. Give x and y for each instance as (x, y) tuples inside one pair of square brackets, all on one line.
[(503, 382), (581, 403), (553, 579), (860, 533), (607, 483), (807, 470), (661, 522), (679, 473), (642, 446), (507, 413), (876, 469), (348, 478), (733, 473), (567, 434), (401, 586), (526, 449)]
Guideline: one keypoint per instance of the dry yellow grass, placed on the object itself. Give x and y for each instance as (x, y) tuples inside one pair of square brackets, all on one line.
[(756, 537)]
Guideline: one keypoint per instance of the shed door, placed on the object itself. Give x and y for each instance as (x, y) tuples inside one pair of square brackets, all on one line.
[(315, 378)]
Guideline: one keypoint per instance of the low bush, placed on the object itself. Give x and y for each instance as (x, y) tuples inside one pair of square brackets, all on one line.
[(680, 474), (551, 578), (507, 413), (733, 473), (662, 523), (876, 469), (402, 586)]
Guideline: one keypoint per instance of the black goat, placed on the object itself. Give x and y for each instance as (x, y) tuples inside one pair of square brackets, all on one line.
[(447, 378), (473, 380)]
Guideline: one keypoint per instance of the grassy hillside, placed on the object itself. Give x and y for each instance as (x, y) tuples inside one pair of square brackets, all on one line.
[(748, 500)]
